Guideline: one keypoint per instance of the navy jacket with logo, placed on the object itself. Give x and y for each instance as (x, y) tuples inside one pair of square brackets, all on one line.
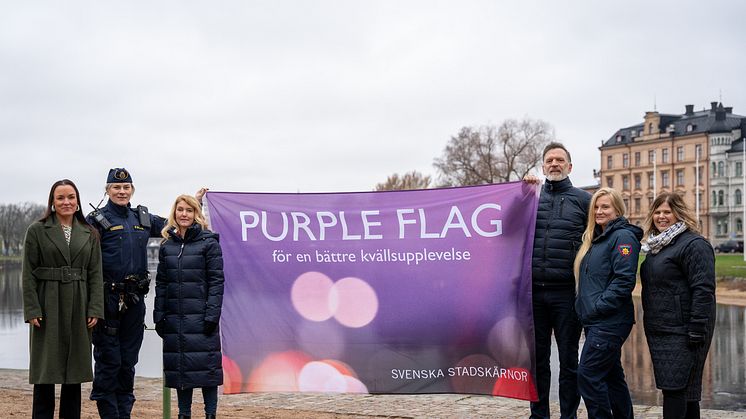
[(608, 273)]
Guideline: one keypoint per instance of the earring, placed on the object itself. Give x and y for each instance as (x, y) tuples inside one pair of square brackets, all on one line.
[(77, 208), (53, 210)]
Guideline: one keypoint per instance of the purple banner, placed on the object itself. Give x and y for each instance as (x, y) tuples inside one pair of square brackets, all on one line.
[(425, 291)]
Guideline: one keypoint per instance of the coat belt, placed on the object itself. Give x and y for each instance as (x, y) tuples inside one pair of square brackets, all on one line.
[(63, 274)]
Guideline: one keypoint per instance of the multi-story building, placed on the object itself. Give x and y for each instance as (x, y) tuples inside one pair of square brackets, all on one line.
[(698, 154)]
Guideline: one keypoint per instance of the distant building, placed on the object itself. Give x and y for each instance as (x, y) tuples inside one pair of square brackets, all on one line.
[(698, 154)]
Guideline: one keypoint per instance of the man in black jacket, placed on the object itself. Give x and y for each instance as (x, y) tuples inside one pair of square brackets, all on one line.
[(560, 222)]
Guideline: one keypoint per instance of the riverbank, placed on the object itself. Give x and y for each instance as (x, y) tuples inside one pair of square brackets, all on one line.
[(15, 401)]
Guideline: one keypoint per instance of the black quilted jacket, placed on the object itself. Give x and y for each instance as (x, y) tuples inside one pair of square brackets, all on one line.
[(189, 292), (560, 221)]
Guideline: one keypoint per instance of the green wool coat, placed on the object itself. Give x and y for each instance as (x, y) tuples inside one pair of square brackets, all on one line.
[(63, 285)]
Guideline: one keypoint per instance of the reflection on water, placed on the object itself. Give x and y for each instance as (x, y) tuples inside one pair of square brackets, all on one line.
[(724, 382), (724, 377)]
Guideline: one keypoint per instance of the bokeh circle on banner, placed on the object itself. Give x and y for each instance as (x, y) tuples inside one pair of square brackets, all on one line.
[(310, 296), (353, 302), (508, 344)]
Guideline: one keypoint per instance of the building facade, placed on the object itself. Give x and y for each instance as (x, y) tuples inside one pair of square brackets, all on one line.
[(698, 154)]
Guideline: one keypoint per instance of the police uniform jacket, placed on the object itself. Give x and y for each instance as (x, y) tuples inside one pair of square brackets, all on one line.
[(62, 284), (189, 292), (608, 274), (560, 221), (124, 245), (678, 295)]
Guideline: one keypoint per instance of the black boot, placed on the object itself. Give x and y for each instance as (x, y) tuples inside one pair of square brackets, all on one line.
[(209, 416), (184, 417)]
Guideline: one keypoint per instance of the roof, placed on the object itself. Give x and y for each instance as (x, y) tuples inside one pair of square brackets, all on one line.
[(716, 119)]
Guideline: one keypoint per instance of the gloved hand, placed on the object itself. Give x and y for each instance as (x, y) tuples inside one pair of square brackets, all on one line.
[(696, 333), (210, 327), (159, 328)]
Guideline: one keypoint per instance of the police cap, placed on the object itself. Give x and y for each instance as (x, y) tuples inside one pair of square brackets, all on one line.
[(119, 175)]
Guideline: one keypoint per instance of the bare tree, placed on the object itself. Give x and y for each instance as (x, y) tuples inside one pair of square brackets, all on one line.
[(490, 154), (410, 180), (14, 220)]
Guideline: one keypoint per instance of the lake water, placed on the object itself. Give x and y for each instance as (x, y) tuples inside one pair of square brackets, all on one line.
[(724, 382)]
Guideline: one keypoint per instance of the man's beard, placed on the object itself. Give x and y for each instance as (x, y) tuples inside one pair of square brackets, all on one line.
[(557, 177)]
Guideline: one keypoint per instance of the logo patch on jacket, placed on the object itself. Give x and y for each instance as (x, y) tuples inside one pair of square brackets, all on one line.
[(625, 249), (115, 228)]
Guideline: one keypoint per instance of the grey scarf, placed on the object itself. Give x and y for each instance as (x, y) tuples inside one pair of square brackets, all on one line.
[(655, 243)]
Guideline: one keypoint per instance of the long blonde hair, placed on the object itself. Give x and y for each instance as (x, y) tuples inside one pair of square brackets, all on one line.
[(678, 208), (616, 202), (199, 217)]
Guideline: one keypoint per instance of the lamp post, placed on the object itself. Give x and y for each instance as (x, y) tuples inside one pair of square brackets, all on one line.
[(655, 174), (697, 150)]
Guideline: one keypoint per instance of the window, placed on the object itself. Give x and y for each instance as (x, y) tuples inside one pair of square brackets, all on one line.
[(626, 204), (664, 178), (689, 128), (651, 180), (680, 153), (609, 162), (637, 159), (637, 205), (651, 156), (650, 202), (714, 169), (625, 182), (721, 169), (650, 128), (720, 198), (625, 160), (610, 181), (714, 199), (680, 177), (664, 157), (739, 168), (698, 151), (739, 225), (638, 181), (738, 197), (698, 174)]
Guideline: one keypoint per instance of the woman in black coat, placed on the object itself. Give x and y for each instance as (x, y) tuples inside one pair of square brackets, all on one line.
[(678, 300), (188, 301)]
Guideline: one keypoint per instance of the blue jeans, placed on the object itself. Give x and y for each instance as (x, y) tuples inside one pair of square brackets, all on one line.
[(209, 395), (554, 311), (600, 373)]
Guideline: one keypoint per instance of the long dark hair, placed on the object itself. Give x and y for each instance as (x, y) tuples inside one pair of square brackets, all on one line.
[(78, 212)]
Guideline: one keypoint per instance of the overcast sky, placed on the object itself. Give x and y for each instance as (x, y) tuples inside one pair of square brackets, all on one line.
[(316, 96)]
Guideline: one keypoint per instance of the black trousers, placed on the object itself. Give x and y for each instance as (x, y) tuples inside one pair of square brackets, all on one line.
[(43, 405), (554, 312)]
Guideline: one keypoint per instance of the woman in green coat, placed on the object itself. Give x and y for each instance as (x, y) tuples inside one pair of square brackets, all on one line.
[(62, 300)]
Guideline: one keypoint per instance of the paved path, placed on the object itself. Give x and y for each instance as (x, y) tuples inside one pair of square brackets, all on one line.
[(366, 406)]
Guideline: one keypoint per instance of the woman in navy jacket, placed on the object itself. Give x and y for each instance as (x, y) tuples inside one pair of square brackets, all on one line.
[(678, 299), (188, 301), (606, 269)]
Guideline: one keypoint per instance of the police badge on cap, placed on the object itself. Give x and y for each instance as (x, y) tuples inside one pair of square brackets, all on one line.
[(119, 175)]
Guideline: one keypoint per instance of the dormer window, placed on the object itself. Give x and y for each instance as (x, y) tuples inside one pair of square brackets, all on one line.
[(689, 127)]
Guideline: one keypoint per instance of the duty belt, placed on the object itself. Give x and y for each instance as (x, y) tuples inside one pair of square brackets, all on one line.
[(128, 290), (131, 283), (63, 274)]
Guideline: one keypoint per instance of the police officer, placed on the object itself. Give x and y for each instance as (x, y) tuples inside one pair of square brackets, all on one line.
[(124, 238)]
